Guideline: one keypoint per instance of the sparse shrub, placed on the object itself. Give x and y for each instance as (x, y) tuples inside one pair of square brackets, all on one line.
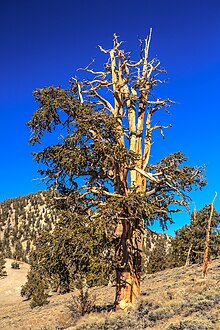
[(143, 308), (159, 314), (113, 322), (145, 315), (142, 312), (191, 324), (81, 304), (198, 302), (15, 265)]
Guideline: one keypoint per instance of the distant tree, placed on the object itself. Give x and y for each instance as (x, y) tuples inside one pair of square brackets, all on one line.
[(159, 257), (189, 241), (207, 239), (2, 266), (107, 122), (19, 253), (28, 248)]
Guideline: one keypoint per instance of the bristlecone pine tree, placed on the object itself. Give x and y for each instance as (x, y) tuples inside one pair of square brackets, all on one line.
[(104, 150)]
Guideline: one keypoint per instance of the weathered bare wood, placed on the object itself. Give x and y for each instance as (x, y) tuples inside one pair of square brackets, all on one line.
[(208, 232), (130, 82), (188, 256)]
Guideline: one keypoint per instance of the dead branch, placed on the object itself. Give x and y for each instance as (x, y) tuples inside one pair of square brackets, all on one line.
[(150, 176), (130, 82), (208, 232)]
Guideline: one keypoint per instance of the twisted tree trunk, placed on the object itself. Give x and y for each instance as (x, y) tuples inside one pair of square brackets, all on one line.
[(128, 272)]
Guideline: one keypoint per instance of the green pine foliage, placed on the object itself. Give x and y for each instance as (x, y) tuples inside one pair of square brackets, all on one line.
[(77, 245), (91, 165), (159, 256), (190, 239), (36, 289), (15, 265), (89, 155), (2, 266)]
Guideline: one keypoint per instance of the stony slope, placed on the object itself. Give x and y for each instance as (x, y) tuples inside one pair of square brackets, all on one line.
[(175, 299), (22, 219)]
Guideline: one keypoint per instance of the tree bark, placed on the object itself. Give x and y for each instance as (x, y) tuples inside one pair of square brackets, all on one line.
[(128, 272)]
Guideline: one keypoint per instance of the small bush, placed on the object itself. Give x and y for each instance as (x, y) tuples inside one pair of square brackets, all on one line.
[(191, 324), (113, 322), (142, 312), (159, 314), (81, 304), (15, 265), (199, 302), (39, 300)]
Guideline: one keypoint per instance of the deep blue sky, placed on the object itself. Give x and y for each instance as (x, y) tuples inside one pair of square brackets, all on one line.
[(44, 42)]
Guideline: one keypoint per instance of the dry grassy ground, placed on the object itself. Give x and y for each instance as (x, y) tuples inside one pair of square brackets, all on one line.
[(10, 286), (176, 299)]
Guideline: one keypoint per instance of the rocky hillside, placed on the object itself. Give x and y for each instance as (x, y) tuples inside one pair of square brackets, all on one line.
[(174, 299), (22, 219)]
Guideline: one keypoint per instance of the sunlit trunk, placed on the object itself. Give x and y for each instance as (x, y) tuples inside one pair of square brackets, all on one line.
[(208, 233), (128, 273)]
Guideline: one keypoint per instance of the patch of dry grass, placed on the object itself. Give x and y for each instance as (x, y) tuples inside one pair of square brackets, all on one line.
[(175, 299)]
